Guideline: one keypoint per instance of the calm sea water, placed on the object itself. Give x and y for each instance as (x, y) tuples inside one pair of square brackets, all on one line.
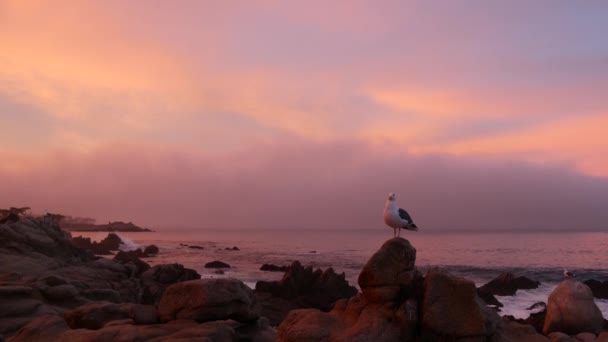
[(479, 256)]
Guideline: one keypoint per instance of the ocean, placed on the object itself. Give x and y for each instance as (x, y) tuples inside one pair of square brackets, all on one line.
[(476, 255)]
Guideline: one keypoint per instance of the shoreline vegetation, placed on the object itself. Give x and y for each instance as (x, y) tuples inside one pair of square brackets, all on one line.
[(57, 288)]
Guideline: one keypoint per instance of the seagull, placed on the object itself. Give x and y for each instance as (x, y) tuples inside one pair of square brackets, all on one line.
[(568, 274), (397, 218)]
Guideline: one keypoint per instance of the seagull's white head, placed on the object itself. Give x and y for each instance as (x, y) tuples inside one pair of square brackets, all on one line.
[(391, 196)]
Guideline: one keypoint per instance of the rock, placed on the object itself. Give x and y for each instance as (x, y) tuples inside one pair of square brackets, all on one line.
[(274, 268), (107, 295), (195, 247), (235, 248), (560, 337), (119, 322), (509, 331), (151, 250), (96, 315), (599, 289), (216, 264), (132, 257), (47, 328), (392, 265), (110, 243), (506, 284), (155, 280), (218, 272), (603, 337), (18, 306), (308, 288), (571, 310), (307, 325), (489, 298), (451, 307), (208, 300), (585, 337)]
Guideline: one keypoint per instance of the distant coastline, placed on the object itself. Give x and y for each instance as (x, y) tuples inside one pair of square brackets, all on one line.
[(110, 227)]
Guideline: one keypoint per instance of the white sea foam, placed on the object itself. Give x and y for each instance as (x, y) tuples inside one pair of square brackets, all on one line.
[(128, 244)]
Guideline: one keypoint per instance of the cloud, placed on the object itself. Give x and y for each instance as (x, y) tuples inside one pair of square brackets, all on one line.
[(305, 185)]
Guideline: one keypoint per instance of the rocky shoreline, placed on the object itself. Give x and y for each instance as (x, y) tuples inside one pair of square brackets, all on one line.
[(55, 288)]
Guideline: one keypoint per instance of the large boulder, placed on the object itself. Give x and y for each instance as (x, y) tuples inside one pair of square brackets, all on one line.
[(131, 258), (206, 300), (571, 310), (155, 280), (451, 307), (391, 265)]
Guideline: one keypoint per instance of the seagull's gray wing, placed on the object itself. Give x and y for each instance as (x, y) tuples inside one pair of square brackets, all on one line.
[(405, 216)]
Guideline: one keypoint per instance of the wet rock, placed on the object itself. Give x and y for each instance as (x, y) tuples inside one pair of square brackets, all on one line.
[(571, 310), (110, 243), (155, 280), (133, 258), (506, 284), (195, 247), (274, 268), (206, 300), (303, 288), (489, 298), (151, 250), (560, 337), (216, 264), (235, 248), (599, 289), (97, 315), (509, 331)]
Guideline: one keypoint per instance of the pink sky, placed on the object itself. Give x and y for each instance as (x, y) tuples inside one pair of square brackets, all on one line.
[(305, 115)]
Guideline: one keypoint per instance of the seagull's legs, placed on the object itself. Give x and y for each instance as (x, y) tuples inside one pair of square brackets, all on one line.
[(394, 232), (399, 232)]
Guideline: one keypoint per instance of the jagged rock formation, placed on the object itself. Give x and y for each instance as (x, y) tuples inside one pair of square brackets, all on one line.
[(398, 304), (302, 287)]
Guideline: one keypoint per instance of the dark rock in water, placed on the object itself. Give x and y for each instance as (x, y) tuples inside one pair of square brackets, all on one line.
[(274, 268), (599, 289), (312, 252), (132, 258), (216, 264), (196, 247), (110, 243), (506, 284), (151, 250), (535, 319), (206, 300), (572, 310), (489, 298), (235, 248), (218, 272), (158, 278), (451, 307), (302, 288), (540, 306)]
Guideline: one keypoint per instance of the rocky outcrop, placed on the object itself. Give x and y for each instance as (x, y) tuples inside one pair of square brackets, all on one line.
[(106, 246), (133, 261), (398, 304), (155, 280), (302, 287), (507, 284), (206, 300), (571, 310)]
